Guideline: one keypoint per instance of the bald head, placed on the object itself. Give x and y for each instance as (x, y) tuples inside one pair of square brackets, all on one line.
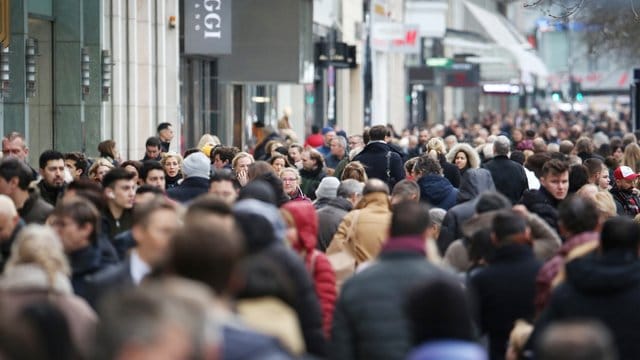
[(374, 186), (7, 207)]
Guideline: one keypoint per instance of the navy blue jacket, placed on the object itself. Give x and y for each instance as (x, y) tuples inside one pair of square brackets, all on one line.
[(374, 159), (190, 189), (437, 191), (84, 263)]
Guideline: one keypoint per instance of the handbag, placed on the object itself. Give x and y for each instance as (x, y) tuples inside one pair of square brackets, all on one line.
[(343, 262)]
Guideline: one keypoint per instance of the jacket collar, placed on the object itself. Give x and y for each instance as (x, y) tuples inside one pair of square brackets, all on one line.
[(341, 203), (414, 244), (377, 199)]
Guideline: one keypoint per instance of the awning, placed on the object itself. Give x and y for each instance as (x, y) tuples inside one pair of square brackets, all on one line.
[(498, 29)]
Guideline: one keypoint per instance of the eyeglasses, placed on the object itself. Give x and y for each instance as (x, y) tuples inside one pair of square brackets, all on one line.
[(289, 179)]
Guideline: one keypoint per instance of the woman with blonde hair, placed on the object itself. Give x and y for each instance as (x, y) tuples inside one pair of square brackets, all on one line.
[(240, 166), (631, 157), (38, 271), (437, 150), (99, 169), (172, 165), (208, 139), (291, 184)]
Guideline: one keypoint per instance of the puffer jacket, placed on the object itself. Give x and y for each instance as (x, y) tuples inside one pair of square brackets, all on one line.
[(264, 232), (316, 262), (372, 220), (437, 191)]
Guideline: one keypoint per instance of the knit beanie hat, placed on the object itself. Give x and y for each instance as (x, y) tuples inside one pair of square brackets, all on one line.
[(196, 165), (328, 188)]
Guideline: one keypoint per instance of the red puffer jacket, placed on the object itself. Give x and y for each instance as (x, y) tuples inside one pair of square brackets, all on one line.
[(306, 221)]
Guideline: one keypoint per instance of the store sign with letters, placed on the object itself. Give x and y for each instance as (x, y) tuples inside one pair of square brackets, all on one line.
[(207, 27)]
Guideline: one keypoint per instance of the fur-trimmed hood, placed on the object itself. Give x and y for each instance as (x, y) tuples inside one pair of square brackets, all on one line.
[(472, 155)]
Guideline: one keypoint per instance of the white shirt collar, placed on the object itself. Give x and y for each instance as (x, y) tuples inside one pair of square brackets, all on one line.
[(139, 268)]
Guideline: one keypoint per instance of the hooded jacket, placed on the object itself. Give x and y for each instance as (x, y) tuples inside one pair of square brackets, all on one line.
[(603, 287), (474, 182), (437, 191), (316, 262), (264, 232), (473, 159)]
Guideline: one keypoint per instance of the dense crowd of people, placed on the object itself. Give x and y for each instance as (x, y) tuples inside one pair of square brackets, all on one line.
[(503, 237)]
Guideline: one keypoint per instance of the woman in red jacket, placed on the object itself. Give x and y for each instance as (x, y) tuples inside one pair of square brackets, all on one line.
[(302, 222)]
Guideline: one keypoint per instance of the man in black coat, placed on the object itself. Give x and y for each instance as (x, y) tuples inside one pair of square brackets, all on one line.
[(379, 159), (604, 286), (16, 177), (508, 176), (554, 187), (504, 290)]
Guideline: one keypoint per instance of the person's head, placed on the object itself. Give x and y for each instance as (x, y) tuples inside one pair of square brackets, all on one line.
[(196, 165), (119, 188), (278, 162), (410, 218), (426, 165), (584, 145), (153, 174), (436, 147), (373, 186), (625, 177), (409, 165), (576, 340), (155, 222), (439, 309), (9, 218), (328, 134), (351, 190), (171, 163), (134, 167), (620, 233), (207, 139), (290, 180), (241, 162), (258, 169), (15, 176), (52, 168), (578, 177), (338, 146), (355, 142), (509, 228), (312, 160), (536, 161), (76, 163), (295, 153), (99, 169), (491, 200), (378, 133), (145, 193), (77, 222), (328, 188), (605, 204), (169, 318), (222, 156), (437, 217), (423, 136), (566, 147), (39, 245), (604, 180), (207, 250), (153, 147), (576, 215), (555, 178), (15, 145), (107, 148), (165, 132), (405, 190), (354, 170), (501, 146), (223, 185), (594, 169), (631, 156)]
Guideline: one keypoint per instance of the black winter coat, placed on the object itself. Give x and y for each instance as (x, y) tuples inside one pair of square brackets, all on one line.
[(374, 159), (605, 288), (450, 171), (189, 189), (503, 292), (543, 204), (508, 176), (369, 321)]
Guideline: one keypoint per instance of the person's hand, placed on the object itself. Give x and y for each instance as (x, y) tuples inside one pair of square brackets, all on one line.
[(242, 178)]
